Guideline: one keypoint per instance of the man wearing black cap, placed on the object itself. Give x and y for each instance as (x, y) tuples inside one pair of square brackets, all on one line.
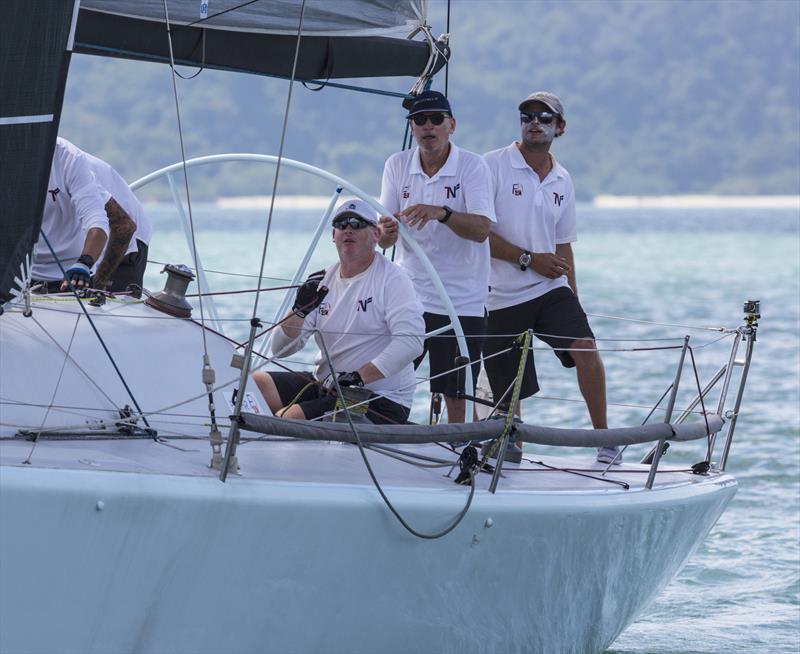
[(443, 193), (532, 279), (366, 312)]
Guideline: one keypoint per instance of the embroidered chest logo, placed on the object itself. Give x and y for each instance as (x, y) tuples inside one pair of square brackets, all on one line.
[(324, 308), (363, 304), (450, 191), (516, 189), (54, 192), (406, 194), (558, 199)]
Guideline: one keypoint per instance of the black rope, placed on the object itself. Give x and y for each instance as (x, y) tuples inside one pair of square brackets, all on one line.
[(702, 406), (374, 479)]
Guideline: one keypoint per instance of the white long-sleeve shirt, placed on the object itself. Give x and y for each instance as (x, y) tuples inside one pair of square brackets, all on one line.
[(374, 317), (112, 181), (74, 205)]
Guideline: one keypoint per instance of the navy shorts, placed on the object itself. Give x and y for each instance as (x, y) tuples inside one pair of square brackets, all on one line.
[(556, 317), (130, 270), (443, 349), (316, 400)]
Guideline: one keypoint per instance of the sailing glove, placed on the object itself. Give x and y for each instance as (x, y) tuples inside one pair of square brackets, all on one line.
[(350, 379), (80, 274), (310, 294)]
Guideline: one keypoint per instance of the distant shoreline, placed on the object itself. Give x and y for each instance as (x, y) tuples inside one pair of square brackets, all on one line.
[(697, 201), (600, 201)]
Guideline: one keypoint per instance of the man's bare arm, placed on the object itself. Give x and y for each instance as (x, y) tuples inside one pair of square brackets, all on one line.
[(565, 250), (122, 228), (546, 264), (469, 226)]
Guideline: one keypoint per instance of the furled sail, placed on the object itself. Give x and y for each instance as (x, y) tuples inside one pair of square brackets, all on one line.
[(340, 39), (35, 43)]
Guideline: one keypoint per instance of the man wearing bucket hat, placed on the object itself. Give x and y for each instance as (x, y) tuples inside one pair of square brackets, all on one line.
[(443, 194), (532, 282), (365, 311)]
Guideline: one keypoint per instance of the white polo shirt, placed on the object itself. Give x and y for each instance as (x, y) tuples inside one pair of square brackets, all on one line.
[(74, 205), (372, 317), (112, 182), (535, 215), (464, 185)]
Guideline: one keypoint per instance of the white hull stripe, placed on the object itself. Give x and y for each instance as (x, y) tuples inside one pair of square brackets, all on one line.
[(21, 120)]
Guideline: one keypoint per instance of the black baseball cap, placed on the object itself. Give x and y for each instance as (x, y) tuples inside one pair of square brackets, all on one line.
[(429, 102)]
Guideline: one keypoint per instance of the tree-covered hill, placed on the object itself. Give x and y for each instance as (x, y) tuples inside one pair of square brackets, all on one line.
[(660, 97)]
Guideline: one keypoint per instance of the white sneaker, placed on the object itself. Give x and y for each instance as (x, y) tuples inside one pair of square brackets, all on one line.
[(609, 455)]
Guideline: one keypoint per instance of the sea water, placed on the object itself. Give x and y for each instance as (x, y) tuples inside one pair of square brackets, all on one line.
[(679, 272)]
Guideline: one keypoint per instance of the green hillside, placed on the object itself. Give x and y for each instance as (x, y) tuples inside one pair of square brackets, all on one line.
[(660, 98)]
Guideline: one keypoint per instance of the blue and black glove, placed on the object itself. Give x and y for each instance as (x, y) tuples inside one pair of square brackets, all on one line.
[(80, 273), (310, 294)]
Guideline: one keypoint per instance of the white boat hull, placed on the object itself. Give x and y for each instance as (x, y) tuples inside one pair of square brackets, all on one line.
[(98, 561)]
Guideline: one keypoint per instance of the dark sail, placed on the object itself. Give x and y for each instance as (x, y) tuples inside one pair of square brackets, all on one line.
[(35, 40), (260, 37)]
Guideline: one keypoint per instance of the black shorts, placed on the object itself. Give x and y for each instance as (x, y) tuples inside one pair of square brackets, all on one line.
[(443, 349), (130, 270), (315, 400), (557, 318)]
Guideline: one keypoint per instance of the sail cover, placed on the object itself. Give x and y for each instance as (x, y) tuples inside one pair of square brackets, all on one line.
[(340, 38), (34, 57)]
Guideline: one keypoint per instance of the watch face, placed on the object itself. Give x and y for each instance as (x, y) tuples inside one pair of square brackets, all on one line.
[(524, 259)]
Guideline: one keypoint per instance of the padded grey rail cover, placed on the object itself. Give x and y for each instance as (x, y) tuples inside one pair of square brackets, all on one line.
[(408, 434)]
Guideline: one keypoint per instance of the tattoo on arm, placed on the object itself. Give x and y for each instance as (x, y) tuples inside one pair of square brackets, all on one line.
[(122, 227)]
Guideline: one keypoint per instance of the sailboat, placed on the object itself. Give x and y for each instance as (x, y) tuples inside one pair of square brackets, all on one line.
[(119, 425)]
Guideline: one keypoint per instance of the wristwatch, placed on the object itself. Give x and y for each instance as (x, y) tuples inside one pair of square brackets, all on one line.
[(86, 260), (525, 260), (447, 213)]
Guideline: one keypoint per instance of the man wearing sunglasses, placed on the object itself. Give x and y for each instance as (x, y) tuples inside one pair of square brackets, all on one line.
[(532, 279), (443, 194), (366, 312)]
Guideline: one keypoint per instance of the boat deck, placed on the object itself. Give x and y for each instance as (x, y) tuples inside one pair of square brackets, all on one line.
[(288, 460)]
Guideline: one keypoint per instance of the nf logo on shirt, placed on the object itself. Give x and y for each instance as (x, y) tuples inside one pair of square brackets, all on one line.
[(362, 304), (406, 194), (516, 189), (451, 191), (54, 192), (558, 199)]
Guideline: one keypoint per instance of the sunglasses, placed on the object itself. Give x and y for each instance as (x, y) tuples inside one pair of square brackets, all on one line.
[(352, 222), (421, 119), (544, 117)]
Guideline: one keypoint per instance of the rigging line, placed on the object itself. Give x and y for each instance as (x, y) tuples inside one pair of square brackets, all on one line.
[(96, 332), (244, 290), (660, 324), (220, 13), (573, 471), (447, 63), (363, 453), (224, 272), (280, 154), (702, 405), (183, 161), (55, 388), (75, 363)]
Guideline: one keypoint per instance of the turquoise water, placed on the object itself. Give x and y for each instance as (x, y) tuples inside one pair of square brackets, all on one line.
[(740, 591)]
